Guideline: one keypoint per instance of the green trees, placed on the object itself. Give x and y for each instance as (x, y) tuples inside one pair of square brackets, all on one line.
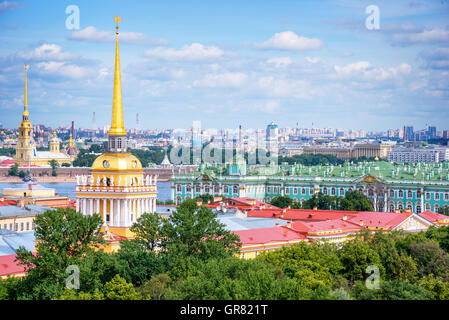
[(205, 198), (65, 237), (119, 289), (352, 201), (282, 201), (14, 170), (54, 165), (355, 257), (193, 231), (232, 278), (191, 256), (444, 210)]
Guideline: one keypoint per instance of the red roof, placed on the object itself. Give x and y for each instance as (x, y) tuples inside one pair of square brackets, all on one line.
[(329, 225), (9, 267), (268, 235), (300, 214), (242, 203), (434, 217), (385, 220), (7, 162), (8, 203)]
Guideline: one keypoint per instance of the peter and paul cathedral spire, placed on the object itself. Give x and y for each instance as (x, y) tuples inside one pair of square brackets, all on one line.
[(24, 142)]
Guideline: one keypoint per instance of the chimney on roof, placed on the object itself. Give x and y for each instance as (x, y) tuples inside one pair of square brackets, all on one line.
[(277, 225), (289, 207), (284, 210), (315, 208), (289, 224), (282, 216), (361, 223), (345, 217)]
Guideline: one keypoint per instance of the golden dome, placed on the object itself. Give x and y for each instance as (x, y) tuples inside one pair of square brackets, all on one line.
[(116, 162)]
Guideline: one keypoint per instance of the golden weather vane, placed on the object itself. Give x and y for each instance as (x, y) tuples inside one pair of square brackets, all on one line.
[(117, 19)]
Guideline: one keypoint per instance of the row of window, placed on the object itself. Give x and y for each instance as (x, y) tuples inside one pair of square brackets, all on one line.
[(23, 226), (409, 206), (332, 191), (207, 188)]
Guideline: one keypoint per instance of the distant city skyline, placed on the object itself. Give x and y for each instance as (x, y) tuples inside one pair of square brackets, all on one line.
[(229, 64)]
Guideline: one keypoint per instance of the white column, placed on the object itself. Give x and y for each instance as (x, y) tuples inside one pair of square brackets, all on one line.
[(91, 209), (97, 206), (104, 211), (138, 207), (84, 206), (77, 205), (119, 215), (111, 212), (154, 204), (125, 212)]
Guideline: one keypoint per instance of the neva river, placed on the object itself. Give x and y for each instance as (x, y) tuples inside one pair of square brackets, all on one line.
[(68, 188)]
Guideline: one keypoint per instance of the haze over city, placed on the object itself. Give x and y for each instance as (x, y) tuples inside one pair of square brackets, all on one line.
[(229, 63)]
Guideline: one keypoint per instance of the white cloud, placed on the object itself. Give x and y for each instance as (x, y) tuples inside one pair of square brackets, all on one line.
[(280, 62), (46, 51), (313, 60), (223, 80), (363, 70), (193, 52), (91, 34), (60, 68), (288, 40), (427, 36), (271, 106), (8, 6)]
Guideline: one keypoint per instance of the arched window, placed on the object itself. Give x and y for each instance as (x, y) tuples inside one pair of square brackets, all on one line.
[(437, 196), (333, 191), (427, 196), (370, 192), (400, 207), (400, 193), (427, 206), (188, 188), (436, 207), (409, 194), (235, 189), (303, 191), (216, 188), (391, 207), (225, 189), (178, 188), (207, 189), (197, 188), (342, 192), (325, 190), (418, 209)]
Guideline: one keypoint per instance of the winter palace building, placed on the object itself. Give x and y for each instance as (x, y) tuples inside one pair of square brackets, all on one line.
[(390, 187)]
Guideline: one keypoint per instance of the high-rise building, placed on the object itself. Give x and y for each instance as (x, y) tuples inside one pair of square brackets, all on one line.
[(431, 132), (408, 133)]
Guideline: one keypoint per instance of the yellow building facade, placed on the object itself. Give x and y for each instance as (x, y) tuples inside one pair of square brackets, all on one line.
[(116, 188)]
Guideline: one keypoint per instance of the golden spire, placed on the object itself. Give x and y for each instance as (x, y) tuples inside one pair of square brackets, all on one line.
[(117, 125), (25, 97)]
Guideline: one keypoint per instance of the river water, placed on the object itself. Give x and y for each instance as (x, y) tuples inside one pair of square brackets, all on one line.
[(68, 188)]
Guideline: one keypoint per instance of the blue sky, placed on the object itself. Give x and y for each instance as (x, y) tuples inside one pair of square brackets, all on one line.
[(227, 63)]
